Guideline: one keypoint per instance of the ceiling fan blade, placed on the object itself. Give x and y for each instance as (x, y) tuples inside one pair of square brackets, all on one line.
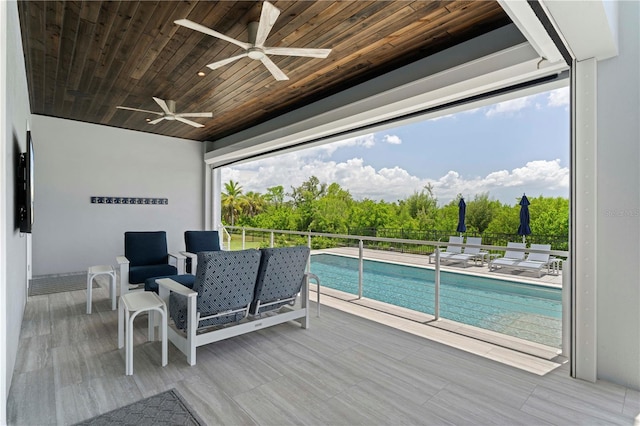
[(268, 18), (218, 64), (163, 105), (140, 110), (273, 68), (297, 51), (189, 122), (157, 120), (201, 28), (195, 114)]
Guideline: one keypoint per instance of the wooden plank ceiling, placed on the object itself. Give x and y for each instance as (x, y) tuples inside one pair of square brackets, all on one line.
[(84, 58)]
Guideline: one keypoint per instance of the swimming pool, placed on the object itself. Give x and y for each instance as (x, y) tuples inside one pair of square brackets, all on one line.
[(526, 311)]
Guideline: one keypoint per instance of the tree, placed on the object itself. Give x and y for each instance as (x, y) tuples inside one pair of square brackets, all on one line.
[(232, 200), (275, 195), (447, 217), (422, 207), (480, 212), (331, 211), (304, 200), (254, 203)]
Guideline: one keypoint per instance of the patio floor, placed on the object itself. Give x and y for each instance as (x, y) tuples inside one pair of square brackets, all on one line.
[(345, 369)]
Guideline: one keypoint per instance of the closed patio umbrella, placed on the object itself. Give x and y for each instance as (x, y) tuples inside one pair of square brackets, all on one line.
[(524, 228), (462, 210)]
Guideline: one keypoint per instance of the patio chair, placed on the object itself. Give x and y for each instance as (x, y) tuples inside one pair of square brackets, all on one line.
[(469, 253), (146, 256), (236, 292), (449, 250), (282, 272), (195, 242), (510, 258), (536, 261)]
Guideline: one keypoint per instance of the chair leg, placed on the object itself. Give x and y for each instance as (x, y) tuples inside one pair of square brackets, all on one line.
[(129, 345), (121, 325), (151, 328), (165, 345), (89, 295), (112, 290)]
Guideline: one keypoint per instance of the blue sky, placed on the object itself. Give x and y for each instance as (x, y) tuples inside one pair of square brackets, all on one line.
[(507, 149)]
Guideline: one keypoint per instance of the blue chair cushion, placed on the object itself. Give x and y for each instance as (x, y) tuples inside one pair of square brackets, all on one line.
[(138, 274), (186, 280), (197, 241), (146, 248)]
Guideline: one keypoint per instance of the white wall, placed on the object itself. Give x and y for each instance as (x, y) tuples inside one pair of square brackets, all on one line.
[(14, 106), (618, 235), (74, 161)]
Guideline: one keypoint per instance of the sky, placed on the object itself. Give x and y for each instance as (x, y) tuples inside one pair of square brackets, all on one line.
[(516, 147)]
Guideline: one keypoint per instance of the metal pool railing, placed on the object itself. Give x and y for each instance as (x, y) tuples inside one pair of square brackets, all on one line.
[(271, 238)]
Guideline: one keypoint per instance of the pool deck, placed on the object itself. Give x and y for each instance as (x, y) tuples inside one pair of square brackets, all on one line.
[(519, 353), (548, 279)]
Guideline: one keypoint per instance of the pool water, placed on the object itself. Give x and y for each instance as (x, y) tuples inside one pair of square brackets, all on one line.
[(526, 311)]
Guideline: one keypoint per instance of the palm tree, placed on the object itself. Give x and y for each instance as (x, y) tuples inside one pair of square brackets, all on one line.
[(232, 200), (254, 203)]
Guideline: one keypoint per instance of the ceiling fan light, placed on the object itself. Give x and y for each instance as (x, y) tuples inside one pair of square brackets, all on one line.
[(255, 53)]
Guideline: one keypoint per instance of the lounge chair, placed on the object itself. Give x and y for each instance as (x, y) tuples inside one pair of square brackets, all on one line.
[(469, 253), (536, 261), (533, 261), (510, 258), (449, 250)]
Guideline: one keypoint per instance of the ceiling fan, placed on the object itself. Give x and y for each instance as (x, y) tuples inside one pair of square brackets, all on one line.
[(255, 48), (169, 113)]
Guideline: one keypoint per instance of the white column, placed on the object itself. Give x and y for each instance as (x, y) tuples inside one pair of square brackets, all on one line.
[(208, 196), (216, 199), (584, 253)]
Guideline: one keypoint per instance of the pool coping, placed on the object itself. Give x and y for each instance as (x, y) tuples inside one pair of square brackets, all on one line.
[(337, 299), (524, 355)]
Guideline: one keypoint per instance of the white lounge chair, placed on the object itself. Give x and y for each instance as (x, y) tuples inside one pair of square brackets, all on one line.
[(510, 258), (469, 253), (449, 250), (536, 261)]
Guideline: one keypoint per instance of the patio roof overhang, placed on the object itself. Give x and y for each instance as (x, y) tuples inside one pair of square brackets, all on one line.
[(536, 49)]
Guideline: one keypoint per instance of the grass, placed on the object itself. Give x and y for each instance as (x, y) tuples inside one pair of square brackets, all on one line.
[(236, 244)]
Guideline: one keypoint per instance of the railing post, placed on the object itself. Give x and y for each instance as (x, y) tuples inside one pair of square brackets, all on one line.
[(361, 268), (243, 238), (436, 291), (271, 241)]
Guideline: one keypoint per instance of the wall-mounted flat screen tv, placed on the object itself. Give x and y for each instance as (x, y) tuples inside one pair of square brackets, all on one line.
[(25, 190)]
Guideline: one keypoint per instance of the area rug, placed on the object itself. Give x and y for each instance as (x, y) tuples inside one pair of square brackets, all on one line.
[(58, 284), (166, 408)]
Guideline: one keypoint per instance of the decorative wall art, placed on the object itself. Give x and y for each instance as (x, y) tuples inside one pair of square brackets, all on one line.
[(129, 200)]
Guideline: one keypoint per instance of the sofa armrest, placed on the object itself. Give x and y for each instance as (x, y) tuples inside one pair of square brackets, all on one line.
[(169, 285), (194, 260), (179, 262)]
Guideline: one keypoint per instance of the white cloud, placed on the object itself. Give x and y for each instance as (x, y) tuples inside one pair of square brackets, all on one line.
[(509, 107), (392, 139), (558, 97), (540, 177)]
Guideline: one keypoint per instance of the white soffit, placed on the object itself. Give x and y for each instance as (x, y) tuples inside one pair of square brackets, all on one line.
[(510, 66), (530, 26), (589, 27)]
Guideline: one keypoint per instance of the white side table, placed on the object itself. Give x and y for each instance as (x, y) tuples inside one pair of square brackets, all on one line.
[(93, 272), (131, 304)]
